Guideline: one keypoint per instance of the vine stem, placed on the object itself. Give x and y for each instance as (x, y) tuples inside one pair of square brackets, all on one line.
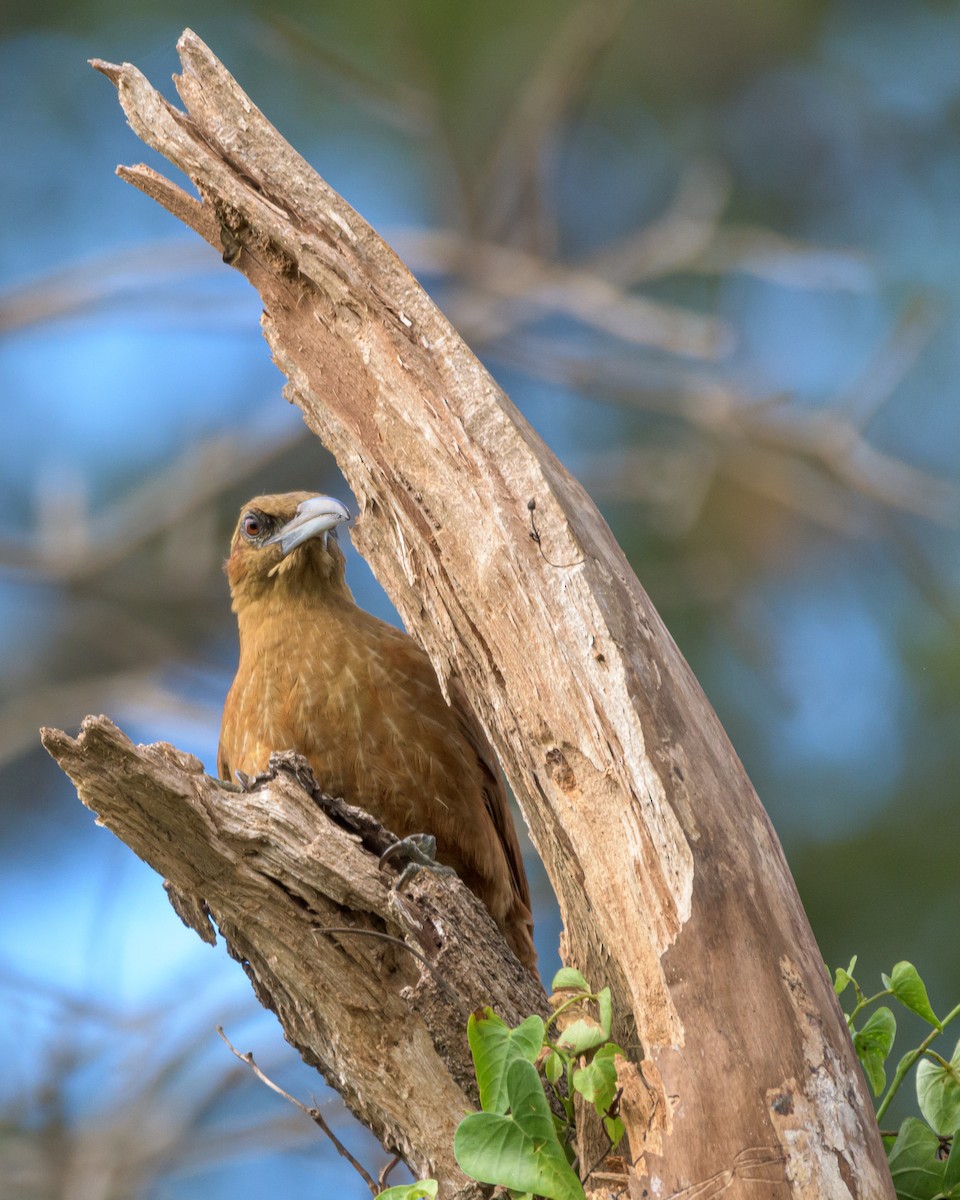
[(579, 998), (909, 1059), (864, 1001)]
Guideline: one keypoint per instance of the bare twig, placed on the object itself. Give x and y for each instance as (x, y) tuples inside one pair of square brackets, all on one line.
[(827, 437), (788, 262), (509, 190), (509, 287), (398, 104), (313, 1112), (66, 702), (89, 285), (385, 1173), (674, 240), (452, 993), (184, 487), (149, 1116), (890, 362), (538, 541)]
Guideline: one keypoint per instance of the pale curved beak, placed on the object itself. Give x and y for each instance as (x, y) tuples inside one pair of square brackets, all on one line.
[(316, 516)]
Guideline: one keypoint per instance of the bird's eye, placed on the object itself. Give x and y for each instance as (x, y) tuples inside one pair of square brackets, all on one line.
[(252, 525)]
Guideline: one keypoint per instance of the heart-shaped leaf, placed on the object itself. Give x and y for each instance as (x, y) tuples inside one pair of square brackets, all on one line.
[(495, 1046), (938, 1091), (597, 1081), (909, 989), (586, 1033), (873, 1043), (580, 1036), (569, 977), (520, 1150), (916, 1170), (553, 1066), (844, 977)]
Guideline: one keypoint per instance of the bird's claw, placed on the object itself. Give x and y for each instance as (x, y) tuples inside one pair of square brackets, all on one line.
[(419, 852)]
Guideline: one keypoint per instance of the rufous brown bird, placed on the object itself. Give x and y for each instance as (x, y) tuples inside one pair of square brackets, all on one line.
[(360, 700)]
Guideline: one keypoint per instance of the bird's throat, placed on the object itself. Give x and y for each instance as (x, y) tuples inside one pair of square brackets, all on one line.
[(311, 574)]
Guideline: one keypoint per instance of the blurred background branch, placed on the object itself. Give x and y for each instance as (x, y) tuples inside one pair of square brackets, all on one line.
[(161, 1102), (709, 248)]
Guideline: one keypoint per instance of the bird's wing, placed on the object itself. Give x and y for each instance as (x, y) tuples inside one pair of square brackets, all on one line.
[(223, 767), (494, 791), (227, 724)]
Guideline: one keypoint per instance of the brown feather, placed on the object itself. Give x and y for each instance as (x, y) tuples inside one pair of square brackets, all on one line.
[(361, 701)]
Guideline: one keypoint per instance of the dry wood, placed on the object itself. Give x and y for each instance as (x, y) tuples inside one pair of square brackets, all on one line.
[(671, 881), (277, 865)]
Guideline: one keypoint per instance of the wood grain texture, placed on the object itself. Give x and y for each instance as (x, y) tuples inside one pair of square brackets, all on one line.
[(671, 880), (273, 868)]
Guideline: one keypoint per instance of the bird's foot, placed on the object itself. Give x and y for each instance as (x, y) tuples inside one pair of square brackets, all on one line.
[(285, 760), (419, 853), (243, 783)]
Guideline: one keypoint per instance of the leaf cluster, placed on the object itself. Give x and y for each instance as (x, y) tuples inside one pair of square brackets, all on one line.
[(523, 1137), (923, 1155)]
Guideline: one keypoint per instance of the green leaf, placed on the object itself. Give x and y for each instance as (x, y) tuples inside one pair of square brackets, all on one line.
[(495, 1046), (615, 1130), (423, 1189), (951, 1174), (605, 1004), (520, 1150), (580, 1036), (597, 1081), (844, 977), (569, 977), (917, 1172), (873, 1043), (553, 1066), (938, 1091), (908, 988)]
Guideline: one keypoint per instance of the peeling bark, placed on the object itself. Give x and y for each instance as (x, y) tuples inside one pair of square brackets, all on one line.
[(672, 883)]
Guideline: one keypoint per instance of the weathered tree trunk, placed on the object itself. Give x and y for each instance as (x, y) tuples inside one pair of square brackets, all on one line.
[(671, 881)]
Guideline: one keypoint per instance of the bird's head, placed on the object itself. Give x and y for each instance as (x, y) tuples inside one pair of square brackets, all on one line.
[(286, 542)]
